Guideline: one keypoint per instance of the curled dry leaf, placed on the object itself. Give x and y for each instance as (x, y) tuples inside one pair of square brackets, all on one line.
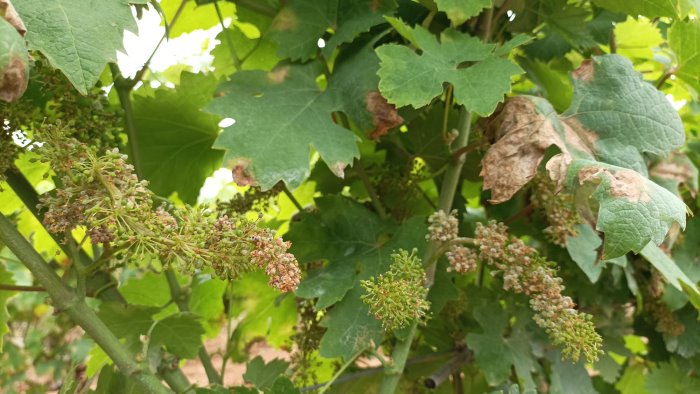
[(384, 115), (10, 15), (522, 134)]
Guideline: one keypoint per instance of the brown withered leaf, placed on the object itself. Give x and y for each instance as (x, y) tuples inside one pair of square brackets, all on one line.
[(522, 135), (384, 115), (10, 15)]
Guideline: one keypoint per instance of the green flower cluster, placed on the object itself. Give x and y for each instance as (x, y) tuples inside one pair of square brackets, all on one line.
[(524, 271), (102, 193), (397, 297)]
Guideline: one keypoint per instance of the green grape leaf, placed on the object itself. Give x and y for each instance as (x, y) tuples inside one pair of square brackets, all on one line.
[(299, 25), (77, 37), (669, 378), (262, 375), (149, 290), (687, 344), (354, 82), (684, 40), (495, 353), (181, 334), (633, 381), (175, 137), (207, 298), (253, 47), (272, 138), (636, 38), (14, 63), (7, 279), (407, 78), (357, 245), (207, 301), (614, 121), (672, 272), (649, 8), (351, 327), (127, 320), (568, 378), (583, 249), (193, 16), (633, 210), (283, 385), (266, 314), (460, 10)]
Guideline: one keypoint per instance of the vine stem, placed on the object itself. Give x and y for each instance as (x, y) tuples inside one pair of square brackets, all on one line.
[(65, 300), (448, 189), (182, 303), (340, 371), (5, 287)]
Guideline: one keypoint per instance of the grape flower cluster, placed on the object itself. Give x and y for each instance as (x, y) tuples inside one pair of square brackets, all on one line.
[(444, 228), (524, 271), (558, 208), (102, 193), (397, 297)]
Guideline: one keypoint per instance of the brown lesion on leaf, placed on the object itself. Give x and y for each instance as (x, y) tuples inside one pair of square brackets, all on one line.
[(278, 75), (520, 135), (285, 20), (578, 137), (384, 115), (10, 14), (13, 79), (242, 175), (585, 72), (338, 168), (677, 168), (623, 183)]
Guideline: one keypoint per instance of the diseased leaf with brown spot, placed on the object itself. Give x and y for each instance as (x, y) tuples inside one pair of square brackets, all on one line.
[(616, 120), (384, 115), (240, 170), (14, 63), (523, 130), (623, 183), (10, 15)]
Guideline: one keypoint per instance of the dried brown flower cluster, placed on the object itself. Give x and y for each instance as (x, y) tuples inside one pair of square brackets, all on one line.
[(103, 194), (558, 208), (524, 271), (659, 311)]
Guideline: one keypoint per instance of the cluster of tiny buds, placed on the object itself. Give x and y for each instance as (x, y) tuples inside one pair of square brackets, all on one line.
[(524, 271), (280, 266), (558, 208), (102, 193), (442, 227), (461, 259), (397, 297)]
